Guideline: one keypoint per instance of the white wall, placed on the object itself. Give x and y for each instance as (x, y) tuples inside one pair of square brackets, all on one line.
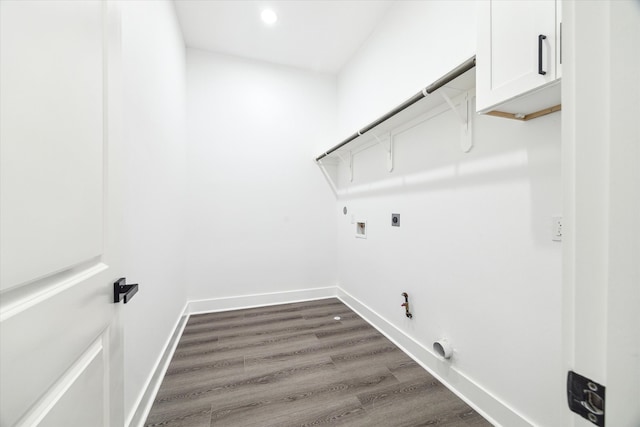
[(415, 44), (261, 217), (155, 134), (474, 249)]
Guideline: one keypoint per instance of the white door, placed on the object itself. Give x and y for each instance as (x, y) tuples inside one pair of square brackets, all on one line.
[(60, 335)]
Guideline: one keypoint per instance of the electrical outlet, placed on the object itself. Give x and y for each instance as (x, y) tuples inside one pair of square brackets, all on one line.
[(556, 228), (361, 229)]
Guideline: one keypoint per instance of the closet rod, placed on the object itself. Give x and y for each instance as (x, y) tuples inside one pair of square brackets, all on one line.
[(451, 75)]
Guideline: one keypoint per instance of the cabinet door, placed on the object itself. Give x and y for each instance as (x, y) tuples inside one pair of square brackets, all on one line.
[(508, 49)]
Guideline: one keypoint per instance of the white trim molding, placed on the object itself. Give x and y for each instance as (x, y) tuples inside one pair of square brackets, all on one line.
[(259, 300), (141, 409)]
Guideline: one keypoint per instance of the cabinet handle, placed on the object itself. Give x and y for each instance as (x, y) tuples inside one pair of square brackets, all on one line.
[(540, 70)]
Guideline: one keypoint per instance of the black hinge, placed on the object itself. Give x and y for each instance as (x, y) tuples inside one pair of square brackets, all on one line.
[(586, 398)]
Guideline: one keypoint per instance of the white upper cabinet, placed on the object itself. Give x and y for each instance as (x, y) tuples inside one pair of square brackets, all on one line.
[(518, 54)]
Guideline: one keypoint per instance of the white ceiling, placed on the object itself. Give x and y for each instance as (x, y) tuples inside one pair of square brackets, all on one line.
[(312, 34)]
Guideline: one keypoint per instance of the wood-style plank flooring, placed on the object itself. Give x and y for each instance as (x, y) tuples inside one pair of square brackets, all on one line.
[(294, 365)]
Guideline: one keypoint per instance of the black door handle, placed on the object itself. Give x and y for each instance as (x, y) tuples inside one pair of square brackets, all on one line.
[(541, 37), (120, 289)]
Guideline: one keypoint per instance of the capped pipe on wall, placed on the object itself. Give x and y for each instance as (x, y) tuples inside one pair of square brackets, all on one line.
[(443, 348)]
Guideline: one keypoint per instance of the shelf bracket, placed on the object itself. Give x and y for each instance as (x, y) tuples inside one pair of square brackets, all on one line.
[(387, 147), (348, 161), (327, 176), (463, 119), (466, 131), (466, 122)]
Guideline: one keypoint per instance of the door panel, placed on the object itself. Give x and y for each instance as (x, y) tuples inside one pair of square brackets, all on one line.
[(52, 135), (84, 379), (60, 182), (46, 339), (89, 382)]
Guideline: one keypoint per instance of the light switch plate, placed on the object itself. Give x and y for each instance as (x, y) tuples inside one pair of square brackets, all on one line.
[(395, 220)]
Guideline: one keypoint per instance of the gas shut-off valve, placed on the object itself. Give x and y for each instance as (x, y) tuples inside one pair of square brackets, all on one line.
[(406, 305)]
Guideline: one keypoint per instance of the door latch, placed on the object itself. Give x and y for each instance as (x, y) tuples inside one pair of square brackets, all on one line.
[(121, 290), (586, 398)]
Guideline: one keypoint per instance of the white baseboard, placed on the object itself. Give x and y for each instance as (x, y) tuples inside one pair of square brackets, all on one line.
[(145, 400), (259, 300), (489, 406), (493, 409)]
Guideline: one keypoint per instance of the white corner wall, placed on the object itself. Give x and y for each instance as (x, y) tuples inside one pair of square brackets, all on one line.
[(261, 216), (474, 249), (155, 136)]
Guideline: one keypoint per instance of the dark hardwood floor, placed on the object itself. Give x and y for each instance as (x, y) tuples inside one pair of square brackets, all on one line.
[(294, 365)]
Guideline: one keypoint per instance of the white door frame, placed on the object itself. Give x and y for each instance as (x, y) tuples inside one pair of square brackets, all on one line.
[(601, 187)]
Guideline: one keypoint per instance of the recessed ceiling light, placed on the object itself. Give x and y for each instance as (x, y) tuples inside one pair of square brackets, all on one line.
[(269, 17)]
